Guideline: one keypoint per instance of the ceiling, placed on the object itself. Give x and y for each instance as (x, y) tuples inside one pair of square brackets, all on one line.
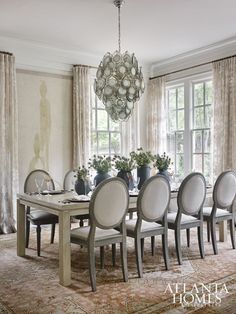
[(154, 29)]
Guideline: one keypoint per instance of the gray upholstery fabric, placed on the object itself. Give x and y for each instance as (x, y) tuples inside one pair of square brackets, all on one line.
[(146, 226), (100, 234), (219, 212), (171, 217)]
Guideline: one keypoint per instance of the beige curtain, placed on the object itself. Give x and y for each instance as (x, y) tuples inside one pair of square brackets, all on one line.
[(156, 116), (130, 133), (8, 143), (224, 122), (81, 115)]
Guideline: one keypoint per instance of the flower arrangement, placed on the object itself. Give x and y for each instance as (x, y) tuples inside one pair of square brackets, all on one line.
[(162, 162), (123, 163), (101, 163), (141, 157), (81, 173)]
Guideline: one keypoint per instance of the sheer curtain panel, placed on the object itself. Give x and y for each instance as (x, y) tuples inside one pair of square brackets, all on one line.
[(81, 115), (224, 122), (8, 143), (156, 116)]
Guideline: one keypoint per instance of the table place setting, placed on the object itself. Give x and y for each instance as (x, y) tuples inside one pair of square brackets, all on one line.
[(76, 199)]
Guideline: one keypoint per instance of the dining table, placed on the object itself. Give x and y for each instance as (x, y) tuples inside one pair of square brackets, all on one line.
[(66, 205)]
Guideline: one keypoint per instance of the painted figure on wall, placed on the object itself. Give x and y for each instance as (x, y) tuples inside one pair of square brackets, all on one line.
[(37, 161), (45, 124)]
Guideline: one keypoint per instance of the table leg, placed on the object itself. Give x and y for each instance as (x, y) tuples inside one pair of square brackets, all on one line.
[(64, 249), (223, 231), (20, 229)]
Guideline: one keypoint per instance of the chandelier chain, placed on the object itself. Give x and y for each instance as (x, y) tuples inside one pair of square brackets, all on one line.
[(119, 35)]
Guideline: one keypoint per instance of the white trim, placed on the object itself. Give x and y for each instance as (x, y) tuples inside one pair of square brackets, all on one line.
[(209, 53)]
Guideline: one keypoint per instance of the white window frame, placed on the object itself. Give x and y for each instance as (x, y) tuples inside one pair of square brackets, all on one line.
[(188, 82)]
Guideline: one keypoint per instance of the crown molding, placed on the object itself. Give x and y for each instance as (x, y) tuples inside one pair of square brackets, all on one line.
[(208, 53), (36, 56)]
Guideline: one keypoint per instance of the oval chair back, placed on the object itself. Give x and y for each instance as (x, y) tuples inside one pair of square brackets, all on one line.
[(30, 185), (109, 203), (154, 198), (192, 194), (68, 180), (225, 189)]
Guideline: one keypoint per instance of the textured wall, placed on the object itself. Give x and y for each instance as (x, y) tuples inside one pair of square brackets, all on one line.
[(45, 123)]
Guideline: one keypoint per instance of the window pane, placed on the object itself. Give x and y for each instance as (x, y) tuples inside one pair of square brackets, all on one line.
[(208, 111), (172, 120), (180, 119), (197, 141), (171, 143), (102, 120), (199, 117), (94, 143), (114, 126), (179, 142), (181, 97), (198, 94), (208, 93), (115, 143), (93, 119), (197, 163), (103, 143), (172, 98), (180, 164), (207, 141), (100, 104), (207, 167)]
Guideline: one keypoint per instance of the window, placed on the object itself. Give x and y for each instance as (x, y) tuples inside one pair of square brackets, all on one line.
[(189, 106), (201, 131), (106, 134), (175, 133)]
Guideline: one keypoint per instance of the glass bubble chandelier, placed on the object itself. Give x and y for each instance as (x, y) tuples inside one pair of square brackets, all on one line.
[(119, 81)]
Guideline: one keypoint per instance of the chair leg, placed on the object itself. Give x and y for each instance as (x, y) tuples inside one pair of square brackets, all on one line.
[(138, 257), (208, 231), (131, 215), (153, 245), (114, 254), (92, 269), (102, 254), (53, 233), (165, 249), (38, 230), (178, 246), (200, 240), (81, 223), (27, 233), (213, 236), (188, 237), (142, 248), (123, 253), (232, 232)]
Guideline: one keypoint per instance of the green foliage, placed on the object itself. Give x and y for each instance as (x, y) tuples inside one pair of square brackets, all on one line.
[(101, 163), (162, 162), (141, 157), (124, 163), (82, 173)]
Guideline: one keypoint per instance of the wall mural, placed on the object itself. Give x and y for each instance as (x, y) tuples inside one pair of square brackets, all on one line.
[(42, 138)]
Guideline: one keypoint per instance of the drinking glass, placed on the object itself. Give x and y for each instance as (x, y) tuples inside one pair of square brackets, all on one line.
[(39, 181), (136, 183)]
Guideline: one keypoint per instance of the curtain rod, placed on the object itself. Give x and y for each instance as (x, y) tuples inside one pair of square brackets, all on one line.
[(7, 53), (192, 67), (85, 65)]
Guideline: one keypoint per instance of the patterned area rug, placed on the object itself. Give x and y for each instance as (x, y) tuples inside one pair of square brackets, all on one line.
[(30, 284)]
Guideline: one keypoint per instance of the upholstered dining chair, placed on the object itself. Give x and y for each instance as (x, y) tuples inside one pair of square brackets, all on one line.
[(224, 193), (190, 200), (107, 208), (68, 185), (152, 205), (35, 216)]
